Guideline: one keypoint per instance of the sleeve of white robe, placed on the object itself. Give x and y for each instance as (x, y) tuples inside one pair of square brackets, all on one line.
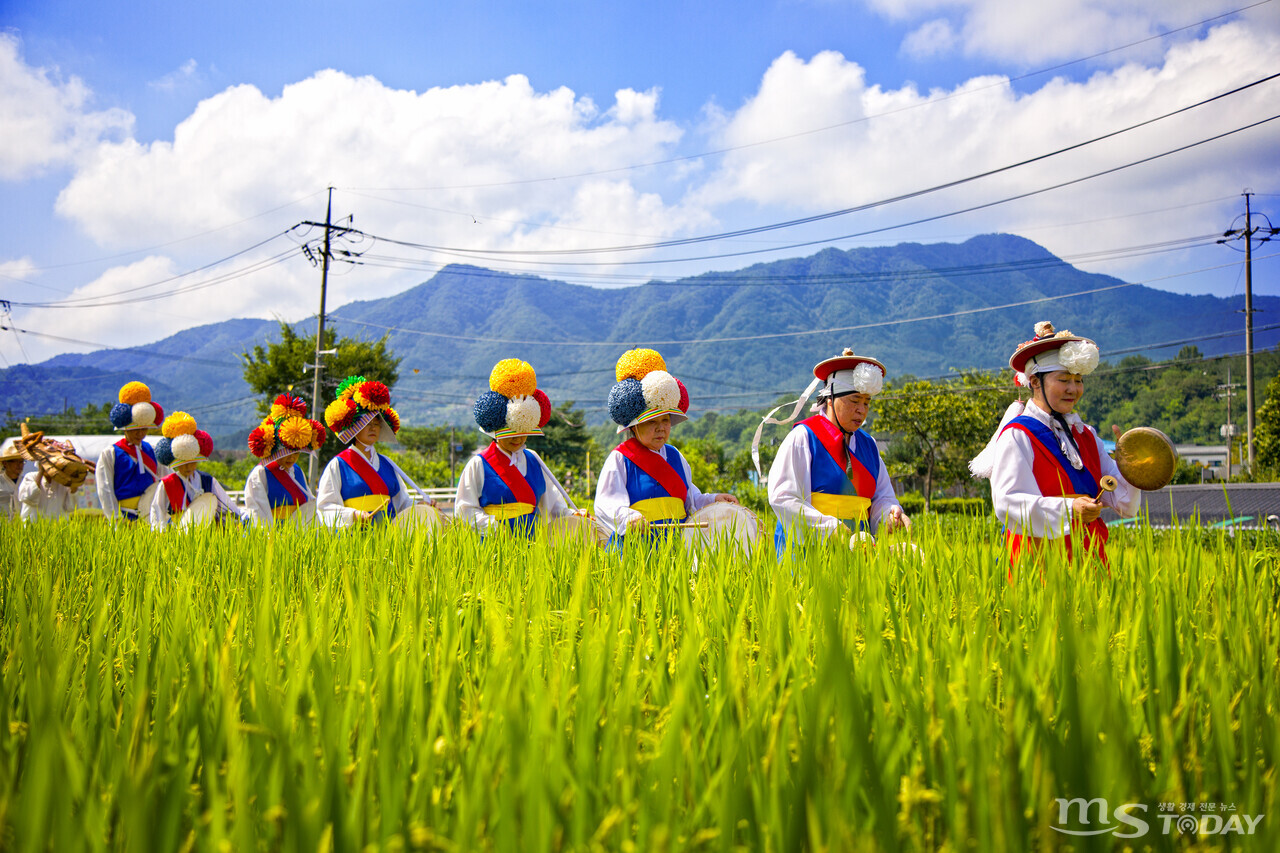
[(552, 503), (159, 515), (104, 474), (329, 505), (790, 486), (256, 503), (29, 494), (1016, 498), (466, 501), (613, 504)]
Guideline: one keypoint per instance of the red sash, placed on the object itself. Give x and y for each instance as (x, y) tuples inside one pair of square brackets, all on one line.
[(176, 492), (365, 471), (656, 466), (147, 461), (833, 441), (290, 485), (1053, 482), (510, 475)]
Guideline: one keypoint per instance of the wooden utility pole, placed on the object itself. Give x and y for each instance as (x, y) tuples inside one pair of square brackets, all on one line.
[(317, 410)]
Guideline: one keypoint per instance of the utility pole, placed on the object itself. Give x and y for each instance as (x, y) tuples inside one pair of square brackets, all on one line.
[(1247, 234), (317, 411), (1228, 430)]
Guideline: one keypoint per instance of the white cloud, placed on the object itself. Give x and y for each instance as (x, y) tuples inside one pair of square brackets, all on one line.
[(46, 119), (932, 38), (1036, 32), (185, 74), (984, 124)]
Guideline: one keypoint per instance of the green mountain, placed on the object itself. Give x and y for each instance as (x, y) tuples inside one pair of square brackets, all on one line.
[(452, 328)]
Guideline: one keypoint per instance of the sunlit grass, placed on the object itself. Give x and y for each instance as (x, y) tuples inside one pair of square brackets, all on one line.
[(318, 691)]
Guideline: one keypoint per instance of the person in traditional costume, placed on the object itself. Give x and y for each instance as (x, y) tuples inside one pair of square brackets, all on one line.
[(182, 448), (11, 464), (42, 497), (126, 469), (1045, 464), (507, 484), (828, 478), (360, 485), (645, 483), (276, 489)]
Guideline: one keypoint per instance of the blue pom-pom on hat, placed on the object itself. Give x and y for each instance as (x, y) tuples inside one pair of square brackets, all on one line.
[(164, 451), (121, 415), (626, 401), (491, 411)]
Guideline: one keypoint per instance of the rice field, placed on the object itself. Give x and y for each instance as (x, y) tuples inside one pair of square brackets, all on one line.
[(377, 691)]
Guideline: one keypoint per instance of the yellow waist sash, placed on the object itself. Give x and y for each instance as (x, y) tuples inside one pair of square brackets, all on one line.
[(660, 509), (131, 503), (283, 512), (367, 503), (515, 509), (841, 506)]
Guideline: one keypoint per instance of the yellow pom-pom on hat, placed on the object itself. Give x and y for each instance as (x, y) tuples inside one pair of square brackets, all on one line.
[(135, 392), (296, 432), (638, 363), (178, 423), (512, 377)]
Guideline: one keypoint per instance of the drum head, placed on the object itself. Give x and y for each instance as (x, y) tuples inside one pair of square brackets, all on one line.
[(201, 513), (144, 502), (726, 522), (305, 515), (577, 528), (1146, 457), (420, 516)]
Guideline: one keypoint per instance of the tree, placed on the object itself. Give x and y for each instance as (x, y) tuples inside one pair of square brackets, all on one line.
[(91, 420), (565, 446), (449, 446), (281, 367), (1266, 432), (941, 425)]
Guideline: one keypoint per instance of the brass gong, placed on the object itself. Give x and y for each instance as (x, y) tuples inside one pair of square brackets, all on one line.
[(1146, 457)]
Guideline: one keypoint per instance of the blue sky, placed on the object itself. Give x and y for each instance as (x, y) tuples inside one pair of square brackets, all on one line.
[(157, 138)]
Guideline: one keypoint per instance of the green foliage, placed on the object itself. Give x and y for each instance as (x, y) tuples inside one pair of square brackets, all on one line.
[(935, 428), (245, 690), (281, 367), (428, 471), (233, 469), (90, 420), (1266, 432), (913, 503), (437, 453), (565, 445)]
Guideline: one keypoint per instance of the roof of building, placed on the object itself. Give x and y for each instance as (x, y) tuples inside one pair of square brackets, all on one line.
[(1246, 505)]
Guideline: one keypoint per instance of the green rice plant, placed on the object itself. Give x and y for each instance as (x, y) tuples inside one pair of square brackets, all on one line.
[(372, 690)]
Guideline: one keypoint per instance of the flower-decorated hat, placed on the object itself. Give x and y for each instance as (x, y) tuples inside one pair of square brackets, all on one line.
[(286, 430), (1051, 351), (513, 405), (182, 442), (136, 409), (645, 390), (359, 401), (849, 374)]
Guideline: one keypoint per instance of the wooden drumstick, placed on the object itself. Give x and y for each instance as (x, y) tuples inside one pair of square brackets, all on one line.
[(680, 524), (1106, 484)]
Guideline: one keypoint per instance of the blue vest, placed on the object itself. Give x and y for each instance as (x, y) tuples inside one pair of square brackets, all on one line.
[(277, 494), (826, 477), (494, 491), (642, 487), (130, 480), (353, 486)]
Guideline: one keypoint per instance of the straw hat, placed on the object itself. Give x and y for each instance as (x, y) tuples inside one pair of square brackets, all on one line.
[(9, 450), (1051, 351), (286, 430), (136, 409), (849, 374), (359, 401), (182, 442), (513, 405), (645, 390)]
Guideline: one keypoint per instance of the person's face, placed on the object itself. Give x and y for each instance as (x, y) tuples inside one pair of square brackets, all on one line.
[(13, 468), (284, 463), (1062, 390), (186, 469), (135, 436), (851, 410), (511, 445), (653, 434), (368, 436)]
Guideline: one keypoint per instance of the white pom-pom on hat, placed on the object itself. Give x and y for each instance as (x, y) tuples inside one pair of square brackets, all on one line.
[(185, 448), (523, 414), (144, 413), (867, 379), (1079, 357), (660, 390)]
